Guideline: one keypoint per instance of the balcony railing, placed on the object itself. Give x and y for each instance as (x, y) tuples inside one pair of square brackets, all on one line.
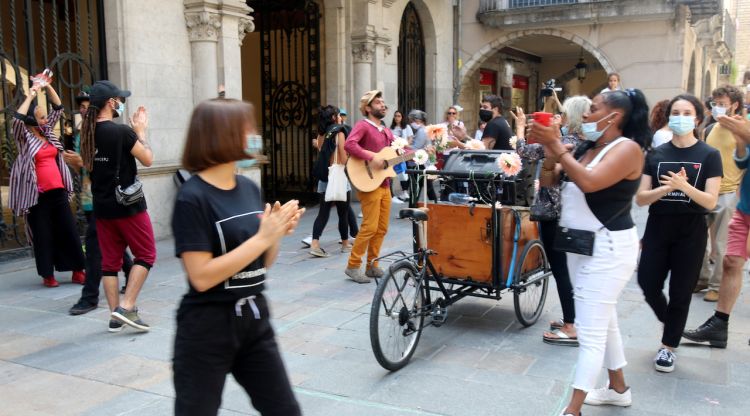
[(497, 5)]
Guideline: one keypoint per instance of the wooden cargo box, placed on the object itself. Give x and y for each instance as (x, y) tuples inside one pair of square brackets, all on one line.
[(463, 240)]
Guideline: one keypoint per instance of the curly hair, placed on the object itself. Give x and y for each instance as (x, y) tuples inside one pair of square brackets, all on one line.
[(659, 116)]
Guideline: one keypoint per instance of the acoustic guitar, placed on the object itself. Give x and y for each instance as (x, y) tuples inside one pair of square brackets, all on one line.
[(367, 178)]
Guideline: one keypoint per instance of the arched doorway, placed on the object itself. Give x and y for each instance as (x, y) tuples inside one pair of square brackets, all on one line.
[(411, 62), (283, 77), (691, 77), (707, 84)]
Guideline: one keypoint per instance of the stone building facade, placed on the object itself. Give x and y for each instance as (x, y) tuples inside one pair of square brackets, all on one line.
[(290, 56)]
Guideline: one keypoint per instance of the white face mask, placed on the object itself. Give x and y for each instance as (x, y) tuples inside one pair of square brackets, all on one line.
[(718, 111)]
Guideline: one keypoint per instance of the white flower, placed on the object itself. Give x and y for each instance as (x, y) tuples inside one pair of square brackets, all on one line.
[(474, 144), (513, 141), (421, 157), (399, 143)]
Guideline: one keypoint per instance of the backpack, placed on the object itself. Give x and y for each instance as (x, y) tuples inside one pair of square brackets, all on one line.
[(320, 167), (181, 176)]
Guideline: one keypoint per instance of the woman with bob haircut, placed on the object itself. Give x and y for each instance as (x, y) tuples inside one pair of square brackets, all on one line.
[(601, 178), (227, 238)]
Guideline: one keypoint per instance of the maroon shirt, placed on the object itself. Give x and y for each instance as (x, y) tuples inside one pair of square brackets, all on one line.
[(366, 136)]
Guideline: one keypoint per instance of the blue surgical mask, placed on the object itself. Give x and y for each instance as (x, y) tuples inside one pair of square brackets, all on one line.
[(253, 147), (120, 109), (590, 132), (564, 130), (414, 126), (718, 111), (681, 125)]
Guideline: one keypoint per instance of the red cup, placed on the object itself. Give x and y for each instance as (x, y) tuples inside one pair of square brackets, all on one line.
[(542, 118)]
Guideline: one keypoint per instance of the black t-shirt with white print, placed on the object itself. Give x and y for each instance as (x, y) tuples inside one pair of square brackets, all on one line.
[(108, 136), (700, 161), (210, 219)]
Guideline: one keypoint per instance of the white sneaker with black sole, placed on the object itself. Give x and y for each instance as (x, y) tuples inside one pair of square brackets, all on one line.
[(664, 360), (307, 241), (608, 396)]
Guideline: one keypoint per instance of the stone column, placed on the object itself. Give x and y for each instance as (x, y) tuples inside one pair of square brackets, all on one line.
[(235, 23), (363, 52), (204, 26)]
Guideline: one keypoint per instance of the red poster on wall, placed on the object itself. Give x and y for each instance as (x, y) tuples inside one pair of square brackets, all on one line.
[(488, 79), (520, 82)]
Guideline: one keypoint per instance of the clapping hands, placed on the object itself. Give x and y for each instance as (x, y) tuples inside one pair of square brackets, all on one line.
[(279, 220), (139, 120), (675, 181)]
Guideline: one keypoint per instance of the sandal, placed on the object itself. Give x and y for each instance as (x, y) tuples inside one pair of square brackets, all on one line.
[(346, 248), (553, 325), (560, 338), (319, 252)]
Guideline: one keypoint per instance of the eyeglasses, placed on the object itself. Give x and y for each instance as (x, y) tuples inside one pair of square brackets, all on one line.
[(715, 104), (452, 113)]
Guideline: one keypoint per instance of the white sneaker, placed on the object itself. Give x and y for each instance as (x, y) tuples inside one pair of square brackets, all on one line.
[(396, 200), (361, 215), (607, 396), (307, 241), (404, 196)]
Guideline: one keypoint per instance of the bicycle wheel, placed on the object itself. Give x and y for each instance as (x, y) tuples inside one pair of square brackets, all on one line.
[(530, 283), (396, 316)]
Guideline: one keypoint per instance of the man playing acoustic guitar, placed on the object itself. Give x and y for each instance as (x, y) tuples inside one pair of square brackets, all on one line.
[(368, 137)]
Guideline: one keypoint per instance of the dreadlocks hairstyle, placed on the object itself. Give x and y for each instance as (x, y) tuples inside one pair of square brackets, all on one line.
[(88, 127)]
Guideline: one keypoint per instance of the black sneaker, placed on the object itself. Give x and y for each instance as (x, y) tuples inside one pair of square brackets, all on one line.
[(664, 360), (82, 307), (115, 326), (130, 317), (714, 331)]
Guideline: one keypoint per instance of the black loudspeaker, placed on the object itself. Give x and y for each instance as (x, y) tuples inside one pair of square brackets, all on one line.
[(518, 190)]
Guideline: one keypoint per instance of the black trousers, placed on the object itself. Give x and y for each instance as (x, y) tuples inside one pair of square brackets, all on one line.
[(90, 291), (676, 244), (430, 188), (57, 245), (559, 264), (345, 213), (212, 341)]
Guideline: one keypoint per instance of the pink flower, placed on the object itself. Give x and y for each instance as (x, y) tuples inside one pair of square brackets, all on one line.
[(435, 131), (509, 163), (474, 144)]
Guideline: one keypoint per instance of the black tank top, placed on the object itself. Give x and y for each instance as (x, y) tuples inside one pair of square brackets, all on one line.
[(611, 206)]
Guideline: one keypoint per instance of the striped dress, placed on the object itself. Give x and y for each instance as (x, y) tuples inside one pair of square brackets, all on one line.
[(24, 190)]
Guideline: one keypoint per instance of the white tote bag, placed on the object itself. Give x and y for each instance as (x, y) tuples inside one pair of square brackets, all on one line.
[(337, 180)]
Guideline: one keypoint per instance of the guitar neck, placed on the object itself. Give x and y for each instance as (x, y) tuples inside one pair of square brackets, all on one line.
[(399, 159)]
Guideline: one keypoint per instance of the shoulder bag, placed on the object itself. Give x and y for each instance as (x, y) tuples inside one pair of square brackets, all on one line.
[(337, 180), (133, 193)]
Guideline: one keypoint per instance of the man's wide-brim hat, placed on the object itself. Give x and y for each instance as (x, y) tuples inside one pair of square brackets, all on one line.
[(103, 90), (367, 99)]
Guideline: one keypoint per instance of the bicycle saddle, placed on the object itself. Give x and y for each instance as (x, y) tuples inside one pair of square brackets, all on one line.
[(414, 213)]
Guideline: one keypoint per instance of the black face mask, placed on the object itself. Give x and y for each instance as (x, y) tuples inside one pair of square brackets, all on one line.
[(485, 115)]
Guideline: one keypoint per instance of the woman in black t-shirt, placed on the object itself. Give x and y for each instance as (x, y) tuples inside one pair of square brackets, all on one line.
[(681, 184), (227, 239)]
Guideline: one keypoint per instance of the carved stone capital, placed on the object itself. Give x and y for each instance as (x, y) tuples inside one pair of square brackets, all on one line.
[(203, 26), (245, 26), (363, 52)]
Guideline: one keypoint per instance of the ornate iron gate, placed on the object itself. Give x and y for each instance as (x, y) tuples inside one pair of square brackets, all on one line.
[(411, 71), (290, 58), (66, 36)]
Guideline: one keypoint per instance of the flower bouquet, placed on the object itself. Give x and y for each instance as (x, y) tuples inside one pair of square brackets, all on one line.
[(43, 78), (399, 145)]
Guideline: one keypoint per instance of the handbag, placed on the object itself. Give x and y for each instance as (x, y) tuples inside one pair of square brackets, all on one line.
[(337, 180), (571, 240), (133, 193), (544, 207)]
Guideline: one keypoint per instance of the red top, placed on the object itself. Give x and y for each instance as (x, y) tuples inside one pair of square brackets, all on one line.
[(367, 136), (47, 172)]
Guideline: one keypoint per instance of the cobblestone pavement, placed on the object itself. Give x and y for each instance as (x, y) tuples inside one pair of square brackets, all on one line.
[(482, 362)]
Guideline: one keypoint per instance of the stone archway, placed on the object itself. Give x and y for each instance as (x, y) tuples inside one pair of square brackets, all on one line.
[(474, 63)]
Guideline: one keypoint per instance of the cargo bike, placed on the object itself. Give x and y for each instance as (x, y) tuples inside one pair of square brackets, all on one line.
[(485, 246)]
